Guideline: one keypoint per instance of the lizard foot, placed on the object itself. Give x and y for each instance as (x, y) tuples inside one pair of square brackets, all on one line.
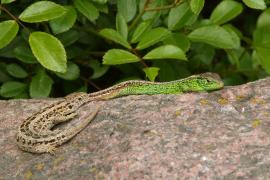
[(51, 150), (45, 148)]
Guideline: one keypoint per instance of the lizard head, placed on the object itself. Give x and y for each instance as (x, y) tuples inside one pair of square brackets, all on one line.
[(208, 81)]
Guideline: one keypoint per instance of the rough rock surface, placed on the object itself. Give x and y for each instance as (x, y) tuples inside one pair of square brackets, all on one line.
[(219, 135)]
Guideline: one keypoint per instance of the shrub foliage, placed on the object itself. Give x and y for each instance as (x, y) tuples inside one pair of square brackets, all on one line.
[(52, 48)]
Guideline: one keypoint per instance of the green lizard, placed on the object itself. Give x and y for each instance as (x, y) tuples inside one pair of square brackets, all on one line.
[(35, 134)]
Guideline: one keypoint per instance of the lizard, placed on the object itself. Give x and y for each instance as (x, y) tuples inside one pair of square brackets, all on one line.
[(35, 134)]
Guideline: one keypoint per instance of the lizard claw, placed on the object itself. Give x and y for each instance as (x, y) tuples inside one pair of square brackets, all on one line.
[(45, 148), (51, 150)]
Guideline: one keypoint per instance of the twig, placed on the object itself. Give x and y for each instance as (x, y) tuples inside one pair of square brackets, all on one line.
[(13, 17), (90, 82)]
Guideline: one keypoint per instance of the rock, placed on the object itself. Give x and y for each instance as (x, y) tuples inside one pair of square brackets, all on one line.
[(189, 136)]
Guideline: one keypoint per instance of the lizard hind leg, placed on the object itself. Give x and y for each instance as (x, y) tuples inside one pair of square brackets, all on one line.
[(45, 148)]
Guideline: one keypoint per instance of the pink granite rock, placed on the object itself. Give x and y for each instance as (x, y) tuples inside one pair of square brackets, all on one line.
[(219, 135)]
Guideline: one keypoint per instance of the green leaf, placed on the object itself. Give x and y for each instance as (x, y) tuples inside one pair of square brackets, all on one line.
[(151, 73), (7, 51), (151, 5), (49, 51), (180, 16), (103, 8), (119, 56), (255, 4), (115, 37), (6, 1), (4, 76), (233, 58), (140, 30), (241, 59), (73, 72), (166, 52), (22, 95), (98, 68), (264, 19), (127, 8), (16, 71), (121, 26), (234, 29), (215, 36), (69, 37), (24, 54), (87, 9), (246, 64), (40, 85), (100, 1), (261, 42), (261, 37), (225, 11), (82, 89), (12, 88), (8, 31), (65, 22), (152, 37), (76, 52), (196, 6), (233, 79), (233, 34), (171, 70), (179, 40), (264, 56), (42, 11), (203, 53)]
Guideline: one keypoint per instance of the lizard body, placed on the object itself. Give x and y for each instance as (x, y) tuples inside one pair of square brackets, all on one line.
[(35, 134)]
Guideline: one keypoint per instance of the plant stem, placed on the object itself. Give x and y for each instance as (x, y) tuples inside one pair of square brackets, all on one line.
[(146, 9), (90, 82), (141, 59), (13, 17), (162, 7)]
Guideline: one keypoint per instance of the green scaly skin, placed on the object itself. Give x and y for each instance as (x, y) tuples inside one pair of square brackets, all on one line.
[(195, 83)]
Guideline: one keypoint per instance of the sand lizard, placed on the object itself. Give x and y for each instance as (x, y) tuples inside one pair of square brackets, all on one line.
[(35, 134)]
